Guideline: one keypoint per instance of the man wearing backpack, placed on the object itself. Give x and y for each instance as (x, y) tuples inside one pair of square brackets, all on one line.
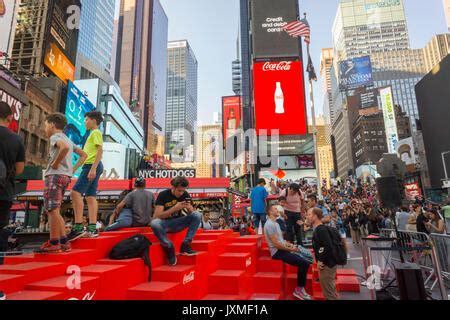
[(325, 252), (12, 163)]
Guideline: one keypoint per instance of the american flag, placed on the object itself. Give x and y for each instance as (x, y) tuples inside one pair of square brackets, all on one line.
[(299, 29)]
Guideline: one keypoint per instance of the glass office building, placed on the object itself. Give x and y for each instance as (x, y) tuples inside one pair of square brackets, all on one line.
[(95, 42), (182, 94), (363, 27)]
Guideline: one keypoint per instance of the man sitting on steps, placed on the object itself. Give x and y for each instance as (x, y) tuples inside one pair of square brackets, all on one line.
[(174, 213)]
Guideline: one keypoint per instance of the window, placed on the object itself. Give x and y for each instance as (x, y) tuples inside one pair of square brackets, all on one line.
[(34, 144), (43, 149)]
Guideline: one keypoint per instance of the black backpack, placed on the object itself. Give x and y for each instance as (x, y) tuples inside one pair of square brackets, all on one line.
[(339, 251), (137, 246)]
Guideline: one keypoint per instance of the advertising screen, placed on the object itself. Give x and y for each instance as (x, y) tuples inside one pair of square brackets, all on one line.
[(269, 39), (7, 8), (355, 73), (232, 115), (297, 162), (390, 121), (76, 107), (58, 63), (16, 107), (406, 151), (280, 97), (114, 161)]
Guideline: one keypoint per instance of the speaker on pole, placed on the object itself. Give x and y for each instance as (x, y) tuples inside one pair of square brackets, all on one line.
[(389, 193)]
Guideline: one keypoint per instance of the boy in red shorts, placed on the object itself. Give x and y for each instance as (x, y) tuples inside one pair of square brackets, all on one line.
[(57, 178)]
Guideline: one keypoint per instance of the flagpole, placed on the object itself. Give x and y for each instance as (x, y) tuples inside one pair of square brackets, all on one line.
[(313, 114)]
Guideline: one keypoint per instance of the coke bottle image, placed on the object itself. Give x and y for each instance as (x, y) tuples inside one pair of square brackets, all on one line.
[(279, 99), (232, 123)]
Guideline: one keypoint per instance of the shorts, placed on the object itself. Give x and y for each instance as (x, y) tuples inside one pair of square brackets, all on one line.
[(85, 187), (55, 189)]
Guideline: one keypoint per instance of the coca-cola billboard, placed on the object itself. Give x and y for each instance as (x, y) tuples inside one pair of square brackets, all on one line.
[(280, 97), (269, 39)]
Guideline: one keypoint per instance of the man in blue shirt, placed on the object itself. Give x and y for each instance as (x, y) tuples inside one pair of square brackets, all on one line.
[(258, 199), (313, 203)]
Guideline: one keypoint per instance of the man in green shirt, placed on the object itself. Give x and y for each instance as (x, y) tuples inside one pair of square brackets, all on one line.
[(87, 183)]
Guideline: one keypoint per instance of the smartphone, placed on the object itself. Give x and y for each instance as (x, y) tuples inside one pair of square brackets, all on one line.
[(188, 200)]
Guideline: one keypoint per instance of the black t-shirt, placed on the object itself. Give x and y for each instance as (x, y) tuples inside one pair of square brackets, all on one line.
[(11, 152), (420, 222), (167, 200)]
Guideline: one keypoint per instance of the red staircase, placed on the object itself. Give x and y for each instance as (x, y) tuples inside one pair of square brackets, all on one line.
[(228, 267)]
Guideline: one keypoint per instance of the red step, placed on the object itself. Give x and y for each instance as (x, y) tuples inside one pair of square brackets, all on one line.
[(268, 282), (204, 245), (265, 296), (19, 259), (101, 245), (86, 290), (75, 257), (11, 283), (254, 239), (264, 252), (267, 264), (34, 296), (225, 297), (291, 283), (236, 261), (110, 277), (35, 271), (229, 282), (346, 273), (154, 291), (242, 247), (136, 269), (173, 273), (348, 284)]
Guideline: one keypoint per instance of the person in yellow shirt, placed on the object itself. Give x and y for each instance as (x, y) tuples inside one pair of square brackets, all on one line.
[(87, 183)]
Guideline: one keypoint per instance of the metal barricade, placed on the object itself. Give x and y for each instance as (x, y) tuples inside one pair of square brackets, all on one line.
[(441, 243), (419, 248)]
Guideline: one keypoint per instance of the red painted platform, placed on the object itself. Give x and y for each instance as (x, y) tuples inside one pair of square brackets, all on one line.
[(228, 267)]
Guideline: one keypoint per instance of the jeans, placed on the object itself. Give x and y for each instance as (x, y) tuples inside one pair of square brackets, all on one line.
[(296, 260), (294, 231), (125, 220), (163, 226), (259, 218), (5, 207)]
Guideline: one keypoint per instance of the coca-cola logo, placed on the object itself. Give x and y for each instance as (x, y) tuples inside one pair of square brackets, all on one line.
[(277, 66), (189, 278)]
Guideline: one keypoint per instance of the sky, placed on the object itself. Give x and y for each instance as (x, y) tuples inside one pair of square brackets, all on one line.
[(211, 27)]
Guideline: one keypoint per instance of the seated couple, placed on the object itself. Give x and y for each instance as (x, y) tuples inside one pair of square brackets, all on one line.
[(173, 213)]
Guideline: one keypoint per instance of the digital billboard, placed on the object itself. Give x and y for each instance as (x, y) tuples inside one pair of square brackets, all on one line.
[(269, 39), (16, 103), (59, 64), (114, 161), (232, 115), (297, 162), (77, 106), (390, 120), (280, 97), (355, 73)]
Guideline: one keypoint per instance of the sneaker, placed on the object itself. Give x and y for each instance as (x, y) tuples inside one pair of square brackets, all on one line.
[(66, 247), (91, 235), (75, 235), (48, 248), (301, 294), (171, 256), (2, 296), (186, 250)]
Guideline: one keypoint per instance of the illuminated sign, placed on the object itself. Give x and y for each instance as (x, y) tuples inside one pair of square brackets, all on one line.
[(59, 64)]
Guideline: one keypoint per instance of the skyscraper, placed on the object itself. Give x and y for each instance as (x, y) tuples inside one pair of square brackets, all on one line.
[(182, 94), (447, 12), (94, 55), (363, 27), (326, 67), (140, 72)]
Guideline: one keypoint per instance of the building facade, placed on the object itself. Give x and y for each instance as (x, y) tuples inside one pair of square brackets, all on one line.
[(95, 42), (120, 126), (208, 151), (326, 67), (447, 12), (141, 41), (342, 144), (182, 95), (369, 136), (363, 27)]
